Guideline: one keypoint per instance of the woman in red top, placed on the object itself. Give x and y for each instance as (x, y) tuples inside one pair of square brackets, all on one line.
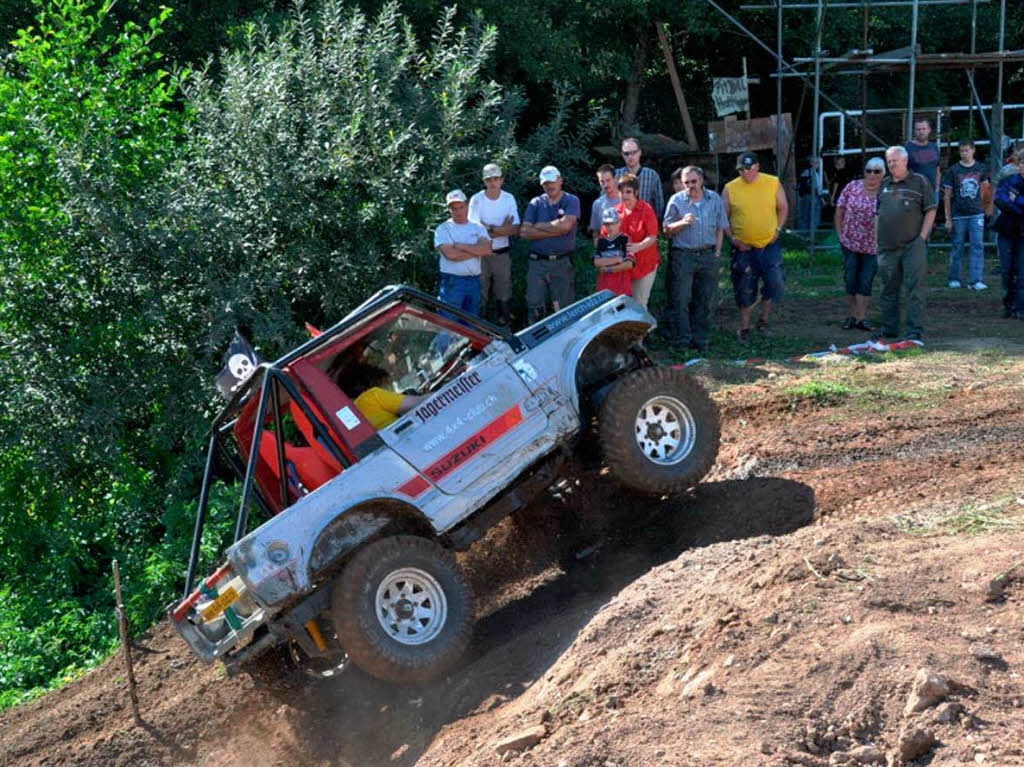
[(639, 223)]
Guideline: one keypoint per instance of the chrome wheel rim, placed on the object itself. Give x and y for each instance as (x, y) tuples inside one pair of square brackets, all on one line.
[(411, 606), (665, 430)]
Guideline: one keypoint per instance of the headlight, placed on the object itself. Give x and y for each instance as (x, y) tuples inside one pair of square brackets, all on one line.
[(278, 552)]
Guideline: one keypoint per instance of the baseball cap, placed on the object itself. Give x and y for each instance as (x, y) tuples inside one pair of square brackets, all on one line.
[(746, 161), (875, 162), (549, 173), (455, 195), (610, 216), (492, 170)]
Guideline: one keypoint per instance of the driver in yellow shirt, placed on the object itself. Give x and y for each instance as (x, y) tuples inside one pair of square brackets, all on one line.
[(382, 407)]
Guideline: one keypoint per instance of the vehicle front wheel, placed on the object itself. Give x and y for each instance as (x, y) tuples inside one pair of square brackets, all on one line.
[(403, 609), (659, 431)]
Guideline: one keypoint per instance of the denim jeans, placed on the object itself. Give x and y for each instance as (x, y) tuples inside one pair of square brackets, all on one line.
[(964, 228), (1011, 269), (691, 283), (809, 211), (758, 264), (462, 291), (859, 270)]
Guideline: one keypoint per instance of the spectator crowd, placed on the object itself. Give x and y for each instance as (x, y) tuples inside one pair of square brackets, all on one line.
[(883, 218)]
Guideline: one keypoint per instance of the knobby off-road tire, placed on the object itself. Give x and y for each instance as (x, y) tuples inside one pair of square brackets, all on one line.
[(403, 609), (659, 431)]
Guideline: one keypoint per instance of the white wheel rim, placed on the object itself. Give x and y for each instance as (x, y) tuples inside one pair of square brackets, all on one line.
[(411, 606), (665, 430)]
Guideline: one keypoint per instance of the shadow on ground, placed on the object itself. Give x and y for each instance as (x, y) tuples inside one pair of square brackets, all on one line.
[(357, 720)]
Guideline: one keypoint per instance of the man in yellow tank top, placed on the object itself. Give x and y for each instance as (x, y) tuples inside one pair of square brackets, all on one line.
[(757, 209)]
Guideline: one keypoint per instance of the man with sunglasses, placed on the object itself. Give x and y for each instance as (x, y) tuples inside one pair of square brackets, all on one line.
[(756, 207), (695, 221), (651, 190)]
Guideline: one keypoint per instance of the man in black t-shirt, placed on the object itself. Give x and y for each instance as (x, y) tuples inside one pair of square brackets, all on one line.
[(923, 154), (962, 189)]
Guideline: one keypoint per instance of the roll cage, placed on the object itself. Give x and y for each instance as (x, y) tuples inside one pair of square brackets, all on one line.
[(313, 405)]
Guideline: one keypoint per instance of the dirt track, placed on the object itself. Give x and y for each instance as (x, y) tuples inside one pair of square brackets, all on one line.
[(777, 615)]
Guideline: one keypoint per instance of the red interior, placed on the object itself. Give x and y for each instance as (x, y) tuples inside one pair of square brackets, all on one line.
[(308, 467)]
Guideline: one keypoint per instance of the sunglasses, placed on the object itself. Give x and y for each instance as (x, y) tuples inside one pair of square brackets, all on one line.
[(873, 170), (630, 153)]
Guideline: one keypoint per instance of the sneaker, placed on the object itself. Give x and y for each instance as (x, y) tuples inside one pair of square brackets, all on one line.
[(744, 336), (979, 285), (762, 327), (954, 284), (849, 323), (915, 337), (864, 325)]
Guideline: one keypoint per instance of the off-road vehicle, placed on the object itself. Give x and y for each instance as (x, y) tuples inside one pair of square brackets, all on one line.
[(356, 557)]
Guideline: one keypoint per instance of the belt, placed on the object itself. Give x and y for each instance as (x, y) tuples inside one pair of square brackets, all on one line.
[(506, 249), (542, 257), (705, 249)]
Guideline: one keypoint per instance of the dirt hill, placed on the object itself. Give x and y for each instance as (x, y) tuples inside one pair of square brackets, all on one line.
[(847, 588)]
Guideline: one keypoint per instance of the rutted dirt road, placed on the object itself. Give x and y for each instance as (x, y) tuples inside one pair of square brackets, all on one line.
[(779, 614)]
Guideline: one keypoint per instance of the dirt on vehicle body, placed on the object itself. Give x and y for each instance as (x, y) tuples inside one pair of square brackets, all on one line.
[(355, 559)]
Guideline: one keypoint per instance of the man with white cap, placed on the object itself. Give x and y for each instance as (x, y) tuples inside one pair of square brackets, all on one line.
[(550, 225), (496, 211), (461, 244)]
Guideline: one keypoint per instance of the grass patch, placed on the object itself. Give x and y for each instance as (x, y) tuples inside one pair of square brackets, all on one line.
[(991, 356), (1004, 514), (881, 400), (820, 392)]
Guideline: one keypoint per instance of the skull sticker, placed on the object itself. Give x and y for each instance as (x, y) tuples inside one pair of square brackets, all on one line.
[(241, 367)]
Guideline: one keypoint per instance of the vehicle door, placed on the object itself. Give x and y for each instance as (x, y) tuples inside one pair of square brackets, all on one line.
[(480, 419)]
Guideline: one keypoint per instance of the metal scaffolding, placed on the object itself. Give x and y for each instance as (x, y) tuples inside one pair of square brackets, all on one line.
[(863, 62)]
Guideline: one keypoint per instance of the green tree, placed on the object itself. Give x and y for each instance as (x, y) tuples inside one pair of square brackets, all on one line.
[(305, 170), (84, 133)]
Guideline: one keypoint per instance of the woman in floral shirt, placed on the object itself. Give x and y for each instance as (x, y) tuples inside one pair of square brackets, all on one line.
[(855, 224)]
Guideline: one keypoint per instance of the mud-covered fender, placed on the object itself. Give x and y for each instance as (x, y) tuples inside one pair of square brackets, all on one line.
[(357, 526), (283, 558), (602, 345)]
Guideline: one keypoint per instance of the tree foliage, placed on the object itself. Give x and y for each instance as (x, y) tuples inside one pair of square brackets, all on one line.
[(146, 214)]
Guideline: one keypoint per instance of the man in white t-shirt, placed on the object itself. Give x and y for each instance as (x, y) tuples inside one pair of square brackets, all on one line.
[(496, 211), (461, 245)]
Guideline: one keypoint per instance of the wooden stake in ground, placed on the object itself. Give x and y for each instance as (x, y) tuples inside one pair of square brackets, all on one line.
[(126, 650)]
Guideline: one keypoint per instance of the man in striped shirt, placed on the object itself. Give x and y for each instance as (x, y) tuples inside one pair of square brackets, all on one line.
[(651, 190)]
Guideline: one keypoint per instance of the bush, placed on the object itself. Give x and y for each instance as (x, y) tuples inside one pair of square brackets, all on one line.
[(145, 215)]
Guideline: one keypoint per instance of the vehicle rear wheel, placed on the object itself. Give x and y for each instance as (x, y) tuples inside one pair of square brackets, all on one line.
[(659, 431), (403, 609)]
